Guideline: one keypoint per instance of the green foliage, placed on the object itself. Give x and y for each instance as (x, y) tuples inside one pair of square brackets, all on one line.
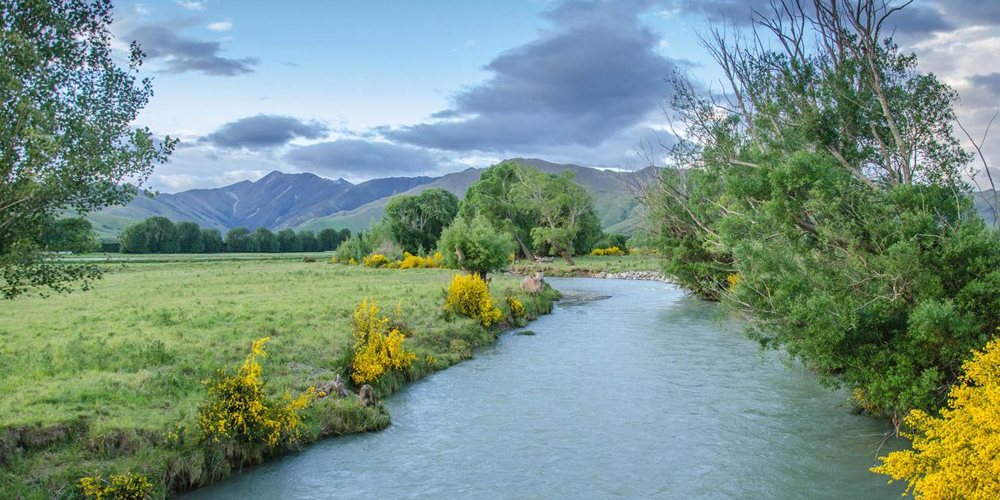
[(264, 240), (416, 222), (563, 208), (475, 246), (287, 241), (67, 112), (492, 197), (212, 240), (153, 235), (190, 238), (239, 239), (307, 241), (355, 248), (589, 233), (70, 235), (329, 238), (608, 240), (847, 239)]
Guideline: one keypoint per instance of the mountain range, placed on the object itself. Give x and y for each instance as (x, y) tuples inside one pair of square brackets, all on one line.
[(307, 201)]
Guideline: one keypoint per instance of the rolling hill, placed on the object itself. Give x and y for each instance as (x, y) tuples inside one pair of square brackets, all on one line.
[(307, 201)]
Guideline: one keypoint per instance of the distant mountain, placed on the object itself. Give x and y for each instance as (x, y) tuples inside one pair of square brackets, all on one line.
[(274, 201), (614, 196), (307, 201)]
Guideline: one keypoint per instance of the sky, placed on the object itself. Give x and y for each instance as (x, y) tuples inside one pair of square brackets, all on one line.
[(366, 89)]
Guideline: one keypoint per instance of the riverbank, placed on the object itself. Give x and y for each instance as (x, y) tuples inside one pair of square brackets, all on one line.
[(109, 381), (640, 266), (648, 371)]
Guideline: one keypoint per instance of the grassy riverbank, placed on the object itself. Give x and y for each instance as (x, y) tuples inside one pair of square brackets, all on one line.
[(94, 381), (589, 265)]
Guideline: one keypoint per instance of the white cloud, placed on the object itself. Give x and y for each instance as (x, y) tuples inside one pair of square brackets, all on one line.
[(221, 26), (190, 4)]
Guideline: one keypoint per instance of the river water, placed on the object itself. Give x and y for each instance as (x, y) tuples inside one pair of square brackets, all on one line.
[(641, 395)]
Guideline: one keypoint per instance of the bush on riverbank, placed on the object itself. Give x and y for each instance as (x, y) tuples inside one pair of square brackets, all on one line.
[(469, 295), (858, 254), (238, 411), (378, 347), (955, 455)]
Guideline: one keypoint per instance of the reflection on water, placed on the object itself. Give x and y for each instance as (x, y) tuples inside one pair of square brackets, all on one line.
[(636, 396)]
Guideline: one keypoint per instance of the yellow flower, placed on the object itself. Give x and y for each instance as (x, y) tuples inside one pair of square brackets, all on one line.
[(377, 347), (956, 455), (469, 296)]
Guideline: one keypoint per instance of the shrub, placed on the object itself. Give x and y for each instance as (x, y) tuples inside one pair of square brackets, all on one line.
[(955, 455), (411, 261), (375, 260), (614, 250), (378, 345), (238, 408), (474, 246), (353, 249), (119, 487), (469, 296), (516, 307)]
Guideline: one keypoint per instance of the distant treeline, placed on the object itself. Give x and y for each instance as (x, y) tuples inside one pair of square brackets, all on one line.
[(160, 235)]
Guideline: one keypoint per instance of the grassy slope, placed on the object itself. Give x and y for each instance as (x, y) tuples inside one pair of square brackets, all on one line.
[(92, 380)]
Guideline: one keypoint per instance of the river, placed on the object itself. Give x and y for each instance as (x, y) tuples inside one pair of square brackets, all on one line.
[(640, 395)]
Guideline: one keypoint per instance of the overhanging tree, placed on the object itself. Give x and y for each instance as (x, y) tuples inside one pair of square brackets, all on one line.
[(68, 143)]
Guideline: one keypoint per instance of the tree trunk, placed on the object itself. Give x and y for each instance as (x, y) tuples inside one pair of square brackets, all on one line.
[(565, 255), (524, 248)]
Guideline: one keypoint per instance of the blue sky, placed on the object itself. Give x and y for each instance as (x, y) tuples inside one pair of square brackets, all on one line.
[(365, 89)]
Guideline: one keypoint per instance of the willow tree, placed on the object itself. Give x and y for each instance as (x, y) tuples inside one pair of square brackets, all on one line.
[(561, 205), (492, 196), (67, 133), (821, 195)]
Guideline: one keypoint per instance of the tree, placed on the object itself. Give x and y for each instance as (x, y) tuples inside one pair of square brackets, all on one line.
[(307, 241), (820, 197), (345, 234), (134, 239), (66, 124), (161, 235), (212, 240), (416, 222), (190, 239), (239, 239), (561, 205), (70, 235), (492, 197), (264, 241), (288, 241), (589, 234), (475, 247), (328, 239)]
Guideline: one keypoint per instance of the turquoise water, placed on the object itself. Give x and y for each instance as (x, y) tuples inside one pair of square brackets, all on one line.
[(641, 395)]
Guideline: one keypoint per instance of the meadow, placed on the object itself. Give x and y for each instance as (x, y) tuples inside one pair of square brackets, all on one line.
[(110, 379)]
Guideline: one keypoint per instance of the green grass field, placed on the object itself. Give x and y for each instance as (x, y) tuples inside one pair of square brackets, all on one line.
[(92, 381), (189, 257)]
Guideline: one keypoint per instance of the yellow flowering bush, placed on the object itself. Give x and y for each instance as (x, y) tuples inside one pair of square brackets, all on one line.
[(238, 408), (375, 260), (378, 347), (411, 261), (610, 251), (352, 262), (516, 307), (120, 487), (469, 296), (956, 455)]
